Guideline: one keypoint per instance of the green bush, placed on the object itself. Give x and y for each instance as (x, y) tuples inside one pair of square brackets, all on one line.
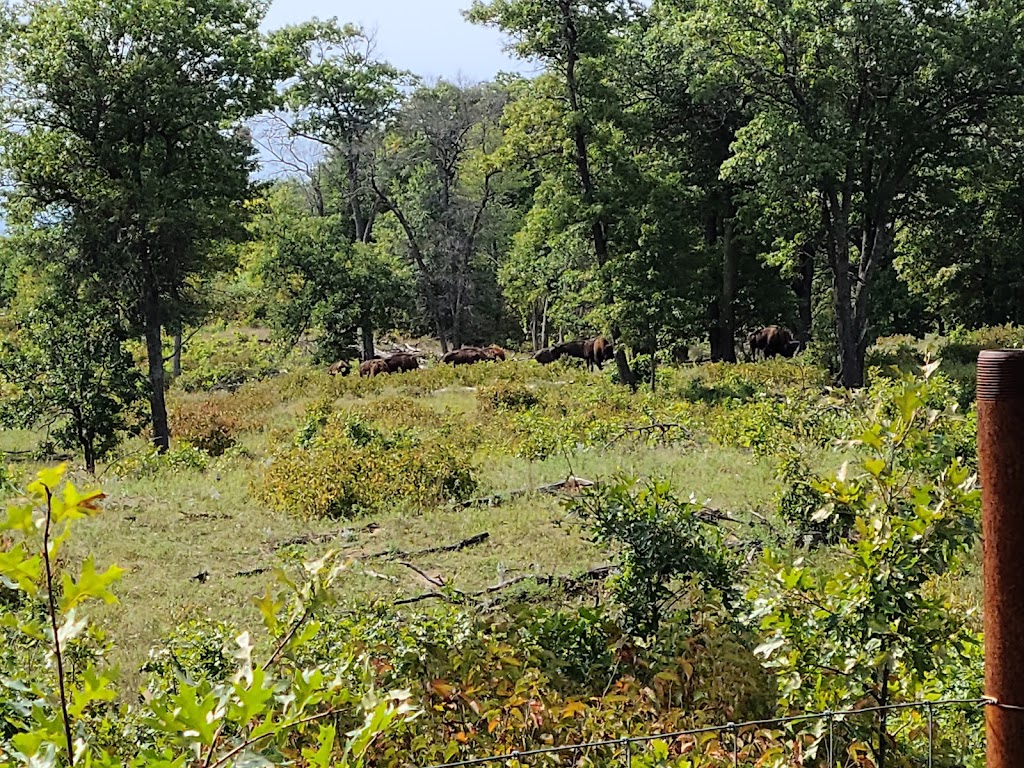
[(354, 466), (196, 653), (507, 396)]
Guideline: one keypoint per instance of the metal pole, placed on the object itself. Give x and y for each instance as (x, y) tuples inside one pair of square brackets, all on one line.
[(1001, 459), (931, 734), (832, 740)]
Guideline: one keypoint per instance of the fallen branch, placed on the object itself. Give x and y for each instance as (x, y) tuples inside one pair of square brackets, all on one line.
[(664, 429), (253, 572), (436, 581), (319, 538), (571, 483), (566, 582), (378, 575), (472, 541)]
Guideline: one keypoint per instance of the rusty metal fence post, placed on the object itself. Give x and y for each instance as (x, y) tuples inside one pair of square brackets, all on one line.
[(1001, 460)]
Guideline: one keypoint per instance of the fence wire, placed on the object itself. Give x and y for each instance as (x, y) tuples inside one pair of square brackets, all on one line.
[(628, 745)]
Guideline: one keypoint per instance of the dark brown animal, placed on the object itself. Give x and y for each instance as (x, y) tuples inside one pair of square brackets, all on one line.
[(464, 356), (373, 367), (577, 348), (546, 356), (494, 352), (402, 361), (772, 342), (598, 351), (342, 366)]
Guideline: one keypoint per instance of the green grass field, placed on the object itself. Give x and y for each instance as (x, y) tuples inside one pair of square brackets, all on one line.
[(197, 543)]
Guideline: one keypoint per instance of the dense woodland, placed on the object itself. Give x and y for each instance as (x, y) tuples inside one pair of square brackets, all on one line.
[(201, 216)]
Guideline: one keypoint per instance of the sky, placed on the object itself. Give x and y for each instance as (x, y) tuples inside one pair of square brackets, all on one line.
[(427, 37)]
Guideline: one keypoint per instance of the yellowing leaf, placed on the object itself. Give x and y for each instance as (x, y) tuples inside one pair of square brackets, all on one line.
[(572, 709), (90, 584)]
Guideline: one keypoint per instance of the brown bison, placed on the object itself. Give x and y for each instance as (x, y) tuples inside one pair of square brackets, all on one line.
[(577, 348), (373, 367), (545, 356), (773, 341), (402, 361), (464, 356), (342, 366), (598, 351), (494, 352)]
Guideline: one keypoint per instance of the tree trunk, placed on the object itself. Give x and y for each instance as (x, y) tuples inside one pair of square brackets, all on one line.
[(727, 301), (803, 287), (176, 356), (714, 331), (654, 367), (155, 356), (544, 324), (836, 215), (533, 323), (598, 229), (90, 455), (366, 330)]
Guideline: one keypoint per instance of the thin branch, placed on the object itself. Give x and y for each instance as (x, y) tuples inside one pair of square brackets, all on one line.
[(53, 622), (249, 742)]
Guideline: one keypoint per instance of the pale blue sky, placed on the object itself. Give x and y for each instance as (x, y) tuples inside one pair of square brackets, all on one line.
[(427, 37)]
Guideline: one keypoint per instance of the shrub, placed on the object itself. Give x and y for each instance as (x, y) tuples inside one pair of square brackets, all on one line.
[(801, 499), (657, 539), (225, 362), (354, 466), (196, 653), (204, 426), (507, 396)]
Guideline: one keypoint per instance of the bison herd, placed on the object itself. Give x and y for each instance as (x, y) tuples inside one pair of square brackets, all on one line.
[(769, 342)]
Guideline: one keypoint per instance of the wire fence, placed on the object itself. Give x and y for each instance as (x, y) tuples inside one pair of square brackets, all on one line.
[(730, 751)]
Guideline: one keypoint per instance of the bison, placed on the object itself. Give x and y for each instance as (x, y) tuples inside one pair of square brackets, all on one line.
[(494, 352), (575, 348), (546, 356), (598, 351), (464, 356), (342, 366), (402, 361), (373, 367), (773, 341)]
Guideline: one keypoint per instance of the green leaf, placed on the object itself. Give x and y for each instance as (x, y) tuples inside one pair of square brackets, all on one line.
[(90, 585)]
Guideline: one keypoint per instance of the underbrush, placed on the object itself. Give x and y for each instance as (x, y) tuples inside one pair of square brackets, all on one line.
[(351, 466), (712, 612)]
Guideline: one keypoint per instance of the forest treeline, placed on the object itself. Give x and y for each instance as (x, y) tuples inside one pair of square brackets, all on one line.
[(678, 172)]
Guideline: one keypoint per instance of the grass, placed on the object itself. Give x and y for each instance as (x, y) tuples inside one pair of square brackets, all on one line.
[(184, 534)]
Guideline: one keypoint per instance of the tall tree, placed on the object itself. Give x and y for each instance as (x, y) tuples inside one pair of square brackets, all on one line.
[(340, 96), (435, 175), (124, 112), (573, 39), (315, 279), (854, 103)]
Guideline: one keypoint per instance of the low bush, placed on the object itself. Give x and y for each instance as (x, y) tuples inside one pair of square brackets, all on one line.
[(225, 362), (204, 426), (353, 466), (507, 396)]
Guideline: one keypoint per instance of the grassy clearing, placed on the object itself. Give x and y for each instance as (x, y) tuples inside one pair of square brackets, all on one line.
[(184, 528)]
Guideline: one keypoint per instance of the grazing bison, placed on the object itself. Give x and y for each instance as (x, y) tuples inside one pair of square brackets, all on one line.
[(464, 356), (342, 366), (494, 352), (546, 356), (373, 367), (598, 351), (773, 341), (402, 361), (575, 348)]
